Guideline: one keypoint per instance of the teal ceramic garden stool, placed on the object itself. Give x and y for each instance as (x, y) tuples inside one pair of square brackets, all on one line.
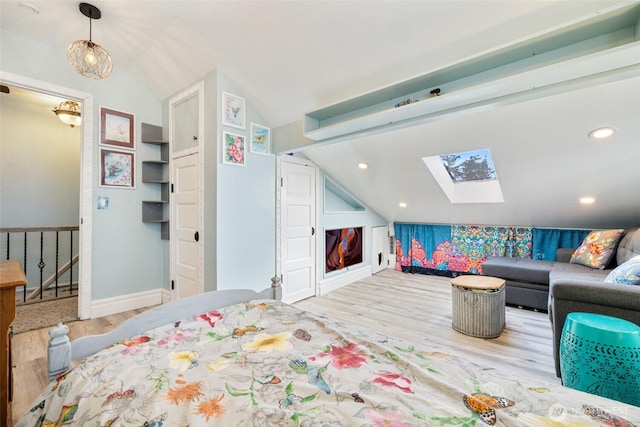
[(601, 355)]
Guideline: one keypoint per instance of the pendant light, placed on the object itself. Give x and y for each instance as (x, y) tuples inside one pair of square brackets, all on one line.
[(87, 57), (69, 113)]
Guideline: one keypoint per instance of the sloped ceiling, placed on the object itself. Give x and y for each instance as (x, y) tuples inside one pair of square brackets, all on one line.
[(297, 56), (544, 160)]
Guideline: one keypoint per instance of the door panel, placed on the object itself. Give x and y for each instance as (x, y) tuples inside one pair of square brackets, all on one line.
[(186, 271), (298, 224), (379, 249)]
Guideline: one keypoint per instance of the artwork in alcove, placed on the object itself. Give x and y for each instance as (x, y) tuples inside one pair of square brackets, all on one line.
[(343, 248)]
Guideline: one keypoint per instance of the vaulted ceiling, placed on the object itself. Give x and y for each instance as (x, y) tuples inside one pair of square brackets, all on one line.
[(293, 57)]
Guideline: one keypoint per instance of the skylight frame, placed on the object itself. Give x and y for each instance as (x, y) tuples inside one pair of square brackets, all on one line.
[(474, 191)]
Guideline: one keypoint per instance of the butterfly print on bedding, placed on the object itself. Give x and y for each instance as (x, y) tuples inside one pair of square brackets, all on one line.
[(485, 405)]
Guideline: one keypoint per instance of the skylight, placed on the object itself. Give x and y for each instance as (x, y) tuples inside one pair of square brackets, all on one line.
[(469, 166), (466, 177)]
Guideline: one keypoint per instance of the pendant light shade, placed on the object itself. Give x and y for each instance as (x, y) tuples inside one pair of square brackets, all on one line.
[(85, 56), (69, 113)]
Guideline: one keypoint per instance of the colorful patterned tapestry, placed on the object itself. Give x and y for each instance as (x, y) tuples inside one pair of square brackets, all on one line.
[(434, 249)]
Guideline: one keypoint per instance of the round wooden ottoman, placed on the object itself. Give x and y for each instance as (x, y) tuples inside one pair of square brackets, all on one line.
[(478, 305), (601, 355)]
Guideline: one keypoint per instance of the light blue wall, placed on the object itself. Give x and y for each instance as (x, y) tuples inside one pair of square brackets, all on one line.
[(246, 197), (331, 219), (238, 233), (127, 254)]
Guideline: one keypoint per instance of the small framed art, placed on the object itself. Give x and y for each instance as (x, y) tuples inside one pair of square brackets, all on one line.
[(233, 149), (233, 111), (117, 168), (260, 139), (116, 128)]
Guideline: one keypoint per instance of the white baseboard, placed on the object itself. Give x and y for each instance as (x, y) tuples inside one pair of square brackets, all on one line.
[(166, 296), (348, 277), (109, 306)]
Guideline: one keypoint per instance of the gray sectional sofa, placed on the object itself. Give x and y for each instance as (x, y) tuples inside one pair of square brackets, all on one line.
[(561, 287)]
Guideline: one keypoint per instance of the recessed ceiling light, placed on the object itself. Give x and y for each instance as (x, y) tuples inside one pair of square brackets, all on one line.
[(601, 133), (29, 8), (402, 204), (363, 165), (587, 200)]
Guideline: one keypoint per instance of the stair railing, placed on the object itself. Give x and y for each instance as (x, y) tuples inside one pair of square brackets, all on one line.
[(49, 252)]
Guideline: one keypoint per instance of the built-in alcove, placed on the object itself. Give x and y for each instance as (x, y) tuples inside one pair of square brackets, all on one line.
[(338, 200)]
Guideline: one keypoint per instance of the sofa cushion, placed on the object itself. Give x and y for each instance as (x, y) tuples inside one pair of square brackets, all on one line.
[(629, 246), (578, 272), (518, 269), (597, 248), (627, 273)]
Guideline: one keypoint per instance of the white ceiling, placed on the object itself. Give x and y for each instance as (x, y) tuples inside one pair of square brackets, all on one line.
[(293, 57)]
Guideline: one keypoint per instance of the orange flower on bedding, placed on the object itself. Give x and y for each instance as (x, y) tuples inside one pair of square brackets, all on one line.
[(186, 393), (211, 408)]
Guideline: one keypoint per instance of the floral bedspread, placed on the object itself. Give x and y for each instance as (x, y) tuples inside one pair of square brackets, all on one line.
[(265, 363)]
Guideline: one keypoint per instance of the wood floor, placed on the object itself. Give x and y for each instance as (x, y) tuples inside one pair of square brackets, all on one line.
[(414, 308)]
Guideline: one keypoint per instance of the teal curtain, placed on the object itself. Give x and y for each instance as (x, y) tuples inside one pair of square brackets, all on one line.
[(547, 240)]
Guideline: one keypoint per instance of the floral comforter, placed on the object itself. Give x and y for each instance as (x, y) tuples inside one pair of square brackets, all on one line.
[(265, 363)]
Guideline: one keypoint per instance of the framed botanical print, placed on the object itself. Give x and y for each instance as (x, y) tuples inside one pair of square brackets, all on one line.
[(260, 139), (116, 128), (233, 111), (117, 168), (233, 149)]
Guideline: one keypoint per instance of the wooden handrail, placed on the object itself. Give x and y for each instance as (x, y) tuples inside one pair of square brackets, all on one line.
[(36, 229)]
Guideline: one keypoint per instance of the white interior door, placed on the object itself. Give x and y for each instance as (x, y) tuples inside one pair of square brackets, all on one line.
[(185, 236), (379, 248), (298, 231)]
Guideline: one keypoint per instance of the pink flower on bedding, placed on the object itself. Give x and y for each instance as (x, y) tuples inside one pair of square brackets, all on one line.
[(350, 356), (174, 338), (211, 317), (391, 417), (392, 381)]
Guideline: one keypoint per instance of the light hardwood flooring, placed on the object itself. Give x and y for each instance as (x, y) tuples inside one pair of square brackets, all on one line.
[(414, 308)]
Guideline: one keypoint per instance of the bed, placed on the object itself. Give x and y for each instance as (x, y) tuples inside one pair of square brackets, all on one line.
[(243, 358)]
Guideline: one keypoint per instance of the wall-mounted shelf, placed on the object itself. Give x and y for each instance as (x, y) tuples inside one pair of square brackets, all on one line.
[(597, 49), (156, 172)]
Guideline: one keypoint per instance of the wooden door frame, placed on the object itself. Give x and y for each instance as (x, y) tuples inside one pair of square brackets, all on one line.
[(86, 177), (199, 89), (303, 162)]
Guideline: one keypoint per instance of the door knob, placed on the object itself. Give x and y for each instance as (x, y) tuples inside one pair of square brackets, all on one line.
[(196, 236), (313, 231)]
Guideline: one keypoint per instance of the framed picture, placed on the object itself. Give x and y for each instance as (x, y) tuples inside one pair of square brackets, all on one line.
[(233, 149), (117, 168), (233, 111), (260, 139), (116, 128)]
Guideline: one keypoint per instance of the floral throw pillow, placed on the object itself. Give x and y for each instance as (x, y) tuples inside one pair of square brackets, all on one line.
[(627, 273), (597, 248)]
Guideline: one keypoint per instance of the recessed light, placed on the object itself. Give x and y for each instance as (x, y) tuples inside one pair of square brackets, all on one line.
[(587, 200), (601, 133), (29, 8), (402, 204), (363, 165)]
